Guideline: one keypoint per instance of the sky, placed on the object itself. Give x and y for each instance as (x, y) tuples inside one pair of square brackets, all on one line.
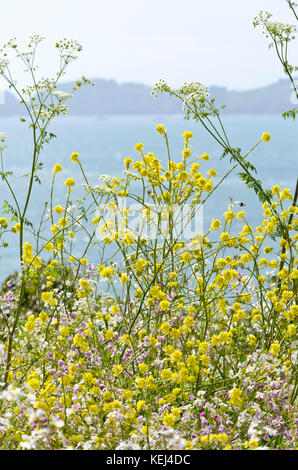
[(213, 42)]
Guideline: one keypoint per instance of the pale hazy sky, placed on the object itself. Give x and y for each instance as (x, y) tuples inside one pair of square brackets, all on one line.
[(212, 41)]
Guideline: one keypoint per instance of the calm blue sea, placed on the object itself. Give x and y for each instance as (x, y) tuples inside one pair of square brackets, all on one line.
[(103, 143)]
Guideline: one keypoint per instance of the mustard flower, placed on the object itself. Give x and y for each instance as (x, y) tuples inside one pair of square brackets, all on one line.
[(215, 224), (57, 168), (139, 147), (187, 135), (107, 272), (3, 222), (49, 246), (46, 296), (142, 368), (275, 348), (58, 209), (16, 228), (266, 137), (127, 162), (225, 237), (43, 317), (212, 172), (95, 220), (236, 397), (161, 129), (285, 194), (164, 305), (69, 183), (109, 334), (74, 157), (186, 153), (292, 329), (229, 216), (63, 222)]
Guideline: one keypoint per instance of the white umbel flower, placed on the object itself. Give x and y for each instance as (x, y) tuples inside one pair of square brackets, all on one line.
[(61, 95)]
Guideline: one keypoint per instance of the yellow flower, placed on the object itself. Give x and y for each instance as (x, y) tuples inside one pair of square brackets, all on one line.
[(54, 229), (33, 380), (64, 330), (275, 189), (49, 246), (161, 129), (225, 237), (212, 172), (142, 368), (186, 257), (285, 194), (205, 156), (46, 297), (192, 361), (294, 273), (156, 293), (57, 168), (84, 283), (164, 305), (16, 228), (187, 135), (124, 279), (275, 348), (253, 444), (3, 222), (188, 321), (141, 405), (69, 183), (186, 153), (29, 326), (59, 210), (215, 224), (127, 162), (139, 147), (166, 374), (266, 137), (169, 419), (252, 340), (63, 221), (221, 263), (235, 397), (292, 330), (204, 347), (117, 369), (176, 356), (107, 272), (74, 157), (165, 328), (109, 334), (43, 317), (229, 216), (140, 265), (95, 220), (205, 359), (28, 252)]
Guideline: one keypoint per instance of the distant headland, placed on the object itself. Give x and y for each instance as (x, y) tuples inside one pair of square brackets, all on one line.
[(108, 97)]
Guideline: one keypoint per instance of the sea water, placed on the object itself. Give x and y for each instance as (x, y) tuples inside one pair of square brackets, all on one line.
[(103, 143)]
